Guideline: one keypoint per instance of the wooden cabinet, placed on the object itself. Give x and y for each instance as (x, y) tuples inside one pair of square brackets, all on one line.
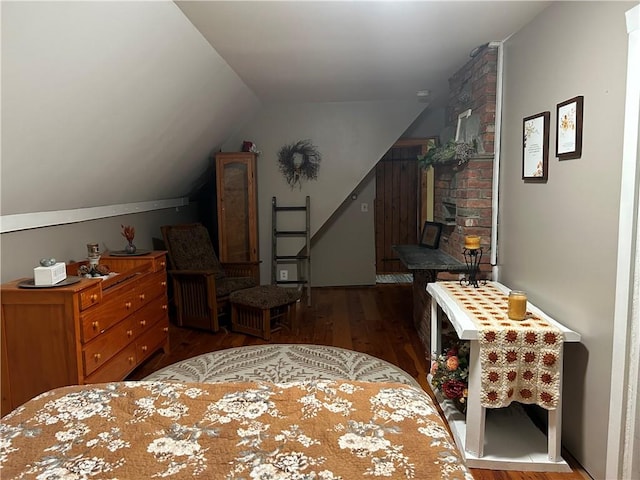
[(88, 332), (236, 196)]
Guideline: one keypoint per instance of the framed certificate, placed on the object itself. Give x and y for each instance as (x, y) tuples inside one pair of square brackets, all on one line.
[(535, 147), (569, 128)]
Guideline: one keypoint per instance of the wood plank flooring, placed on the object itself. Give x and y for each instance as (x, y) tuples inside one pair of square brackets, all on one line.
[(373, 320)]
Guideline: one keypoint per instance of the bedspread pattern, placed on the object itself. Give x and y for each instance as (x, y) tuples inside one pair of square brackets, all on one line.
[(304, 430)]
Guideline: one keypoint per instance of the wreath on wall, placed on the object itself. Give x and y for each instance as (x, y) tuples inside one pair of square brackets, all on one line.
[(299, 161)]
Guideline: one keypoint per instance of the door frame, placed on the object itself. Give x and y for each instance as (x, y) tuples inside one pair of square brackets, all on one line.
[(425, 187)]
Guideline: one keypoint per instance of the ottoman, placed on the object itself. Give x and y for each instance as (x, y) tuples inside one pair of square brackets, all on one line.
[(254, 309)]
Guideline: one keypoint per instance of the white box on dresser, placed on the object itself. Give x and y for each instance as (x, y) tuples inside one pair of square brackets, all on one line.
[(50, 275)]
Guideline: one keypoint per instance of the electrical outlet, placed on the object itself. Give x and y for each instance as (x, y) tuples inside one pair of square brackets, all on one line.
[(364, 207), (284, 275)]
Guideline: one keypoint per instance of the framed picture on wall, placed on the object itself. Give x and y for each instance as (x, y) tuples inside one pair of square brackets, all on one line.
[(535, 147), (430, 235), (569, 128)]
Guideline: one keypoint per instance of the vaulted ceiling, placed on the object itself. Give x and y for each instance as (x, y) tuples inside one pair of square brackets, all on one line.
[(301, 51), (108, 103)]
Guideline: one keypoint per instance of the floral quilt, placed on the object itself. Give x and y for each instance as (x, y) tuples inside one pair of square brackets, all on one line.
[(319, 429)]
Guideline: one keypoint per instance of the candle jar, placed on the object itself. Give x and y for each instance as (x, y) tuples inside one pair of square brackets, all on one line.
[(517, 305), (472, 242)]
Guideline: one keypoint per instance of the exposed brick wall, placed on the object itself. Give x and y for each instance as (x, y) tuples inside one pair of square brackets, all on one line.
[(474, 87), (469, 186)]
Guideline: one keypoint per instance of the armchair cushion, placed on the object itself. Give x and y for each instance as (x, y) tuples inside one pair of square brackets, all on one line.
[(191, 249)]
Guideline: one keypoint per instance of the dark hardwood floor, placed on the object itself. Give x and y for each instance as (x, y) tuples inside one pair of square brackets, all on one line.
[(373, 320)]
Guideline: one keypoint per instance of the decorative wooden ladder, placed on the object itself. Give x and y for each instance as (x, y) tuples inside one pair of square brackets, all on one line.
[(302, 258)]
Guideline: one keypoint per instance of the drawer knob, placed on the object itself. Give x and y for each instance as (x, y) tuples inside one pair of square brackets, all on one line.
[(164, 306), (144, 348), (97, 357), (142, 296), (143, 322), (131, 360), (163, 264), (129, 333), (95, 325), (165, 329), (163, 283), (127, 305), (93, 297)]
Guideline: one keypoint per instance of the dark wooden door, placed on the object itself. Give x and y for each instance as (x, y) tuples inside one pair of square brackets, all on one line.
[(396, 205)]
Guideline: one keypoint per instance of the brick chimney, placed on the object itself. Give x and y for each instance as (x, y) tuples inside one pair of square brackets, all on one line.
[(462, 194)]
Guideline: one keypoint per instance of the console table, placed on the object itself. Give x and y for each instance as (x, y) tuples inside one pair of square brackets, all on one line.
[(425, 263), (498, 438)]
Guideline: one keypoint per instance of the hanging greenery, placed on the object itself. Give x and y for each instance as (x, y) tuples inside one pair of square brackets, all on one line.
[(450, 151), (299, 161)]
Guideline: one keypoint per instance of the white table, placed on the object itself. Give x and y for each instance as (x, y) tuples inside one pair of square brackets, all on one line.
[(508, 440)]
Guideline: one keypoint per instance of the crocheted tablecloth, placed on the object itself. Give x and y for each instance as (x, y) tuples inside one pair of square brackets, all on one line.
[(520, 360)]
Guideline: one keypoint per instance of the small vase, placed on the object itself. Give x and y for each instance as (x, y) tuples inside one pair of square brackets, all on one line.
[(130, 248)]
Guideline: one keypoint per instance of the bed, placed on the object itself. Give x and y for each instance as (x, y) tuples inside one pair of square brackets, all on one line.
[(321, 429)]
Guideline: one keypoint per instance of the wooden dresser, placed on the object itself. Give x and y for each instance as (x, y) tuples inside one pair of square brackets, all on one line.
[(89, 332)]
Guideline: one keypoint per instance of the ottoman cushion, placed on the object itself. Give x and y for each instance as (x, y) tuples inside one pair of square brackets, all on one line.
[(265, 296)]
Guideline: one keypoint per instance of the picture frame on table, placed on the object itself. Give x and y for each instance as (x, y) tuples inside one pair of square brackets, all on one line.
[(430, 235), (535, 147), (569, 128)]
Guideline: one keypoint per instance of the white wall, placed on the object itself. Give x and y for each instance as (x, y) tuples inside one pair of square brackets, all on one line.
[(557, 241), (349, 227), (21, 251), (105, 103), (108, 103), (351, 136)]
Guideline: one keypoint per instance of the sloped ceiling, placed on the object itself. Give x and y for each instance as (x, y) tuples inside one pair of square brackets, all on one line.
[(303, 51), (106, 103)]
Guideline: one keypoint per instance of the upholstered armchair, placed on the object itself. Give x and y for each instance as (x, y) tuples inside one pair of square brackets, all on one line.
[(201, 284)]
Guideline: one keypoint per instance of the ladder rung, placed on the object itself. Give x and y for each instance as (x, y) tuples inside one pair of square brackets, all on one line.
[(291, 257), (289, 209), (291, 233), (303, 258)]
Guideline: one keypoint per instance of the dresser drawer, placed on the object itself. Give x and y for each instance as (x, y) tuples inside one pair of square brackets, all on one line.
[(107, 344), (151, 313), (149, 288), (112, 310), (152, 339), (117, 368), (159, 263), (90, 297)]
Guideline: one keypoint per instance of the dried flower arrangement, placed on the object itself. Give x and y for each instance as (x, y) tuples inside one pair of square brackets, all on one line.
[(450, 372), (128, 232)]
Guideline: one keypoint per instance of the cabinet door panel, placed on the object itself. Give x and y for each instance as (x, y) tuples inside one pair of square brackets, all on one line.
[(236, 199)]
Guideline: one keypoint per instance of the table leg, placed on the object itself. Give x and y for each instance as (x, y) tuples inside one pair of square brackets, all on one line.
[(474, 440), (435, 330), (554, 430)]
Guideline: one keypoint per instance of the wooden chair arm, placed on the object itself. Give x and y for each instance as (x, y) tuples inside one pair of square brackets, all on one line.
[(240, 264), (184, 273)]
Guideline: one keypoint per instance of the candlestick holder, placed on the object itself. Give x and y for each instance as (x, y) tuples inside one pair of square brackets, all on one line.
[(472, 257), (93, 269)]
